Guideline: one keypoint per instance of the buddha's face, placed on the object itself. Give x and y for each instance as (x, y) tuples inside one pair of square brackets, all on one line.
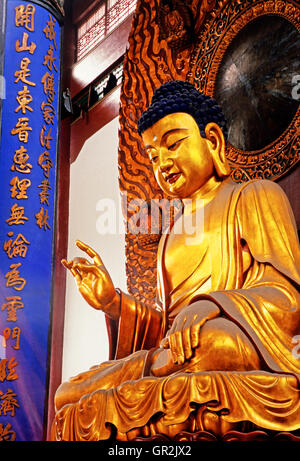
[(181, 158)]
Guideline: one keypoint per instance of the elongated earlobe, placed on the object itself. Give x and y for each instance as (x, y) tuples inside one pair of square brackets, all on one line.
[(217, 146)]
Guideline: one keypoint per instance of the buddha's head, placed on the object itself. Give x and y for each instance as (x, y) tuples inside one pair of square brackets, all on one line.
[(184, 133)]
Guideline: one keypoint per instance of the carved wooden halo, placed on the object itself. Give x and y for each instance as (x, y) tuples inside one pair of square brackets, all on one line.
[(276, 158)]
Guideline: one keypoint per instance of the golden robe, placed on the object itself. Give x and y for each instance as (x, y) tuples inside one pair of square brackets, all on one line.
[(264, 303)]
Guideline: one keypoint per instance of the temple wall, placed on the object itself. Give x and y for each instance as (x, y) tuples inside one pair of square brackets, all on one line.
[(93, 182)]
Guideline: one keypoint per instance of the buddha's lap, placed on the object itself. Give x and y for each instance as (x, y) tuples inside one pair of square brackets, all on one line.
[(222, 346)]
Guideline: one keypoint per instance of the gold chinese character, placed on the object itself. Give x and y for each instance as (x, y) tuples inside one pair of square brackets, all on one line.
[(45, 163), (49, 30), (14, 334), (8, 403), (13, 278), (17, 247), (21, 129), (44, 194), (24, 17), (24, 98), (49, 59), (24, 72), (24, 46), (42, 219), (7, 434), (8, 370), (45, 138), (48, 83), (17, 215), (48, 112), (21, 161), (19, 188), (13, 303)]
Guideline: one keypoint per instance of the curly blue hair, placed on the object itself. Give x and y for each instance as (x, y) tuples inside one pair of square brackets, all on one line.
[(182, 96)]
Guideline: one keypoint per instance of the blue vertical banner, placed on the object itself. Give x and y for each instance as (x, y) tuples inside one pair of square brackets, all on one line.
[(28, 157)]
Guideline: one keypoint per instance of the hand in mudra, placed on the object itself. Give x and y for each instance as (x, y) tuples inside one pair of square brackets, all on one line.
[(183, 336), (94, 282)]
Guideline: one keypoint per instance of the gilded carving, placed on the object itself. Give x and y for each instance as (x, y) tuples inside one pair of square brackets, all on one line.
[(176, 23), (274, 160)]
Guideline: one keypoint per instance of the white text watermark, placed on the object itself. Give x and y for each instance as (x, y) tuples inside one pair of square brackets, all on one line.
[(152, 217)]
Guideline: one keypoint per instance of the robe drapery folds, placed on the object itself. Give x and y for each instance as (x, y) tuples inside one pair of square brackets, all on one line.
[(264, 303)]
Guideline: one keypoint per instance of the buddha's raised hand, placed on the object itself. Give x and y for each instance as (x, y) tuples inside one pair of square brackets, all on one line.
[(94, 282)]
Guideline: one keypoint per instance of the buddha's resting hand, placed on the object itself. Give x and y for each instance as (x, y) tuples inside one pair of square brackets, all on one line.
[(183, 336), (94, 282)]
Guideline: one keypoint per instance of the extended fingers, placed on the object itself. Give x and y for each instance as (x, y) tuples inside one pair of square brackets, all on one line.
[(195, 332), (67, 264), (176, 346), (173, 347), (70, 265), (87, 268), (181, 344), (187, 345), (183, 338), (90, 252), (81, 268), (73, 262)]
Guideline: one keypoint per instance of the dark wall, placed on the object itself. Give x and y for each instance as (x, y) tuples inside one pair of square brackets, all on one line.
[(291, 186)]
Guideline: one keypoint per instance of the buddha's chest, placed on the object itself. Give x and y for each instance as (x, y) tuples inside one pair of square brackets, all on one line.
[(187, 247)]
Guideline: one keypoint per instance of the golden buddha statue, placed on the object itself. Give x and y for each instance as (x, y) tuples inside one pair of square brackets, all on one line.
[(217, 350)]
